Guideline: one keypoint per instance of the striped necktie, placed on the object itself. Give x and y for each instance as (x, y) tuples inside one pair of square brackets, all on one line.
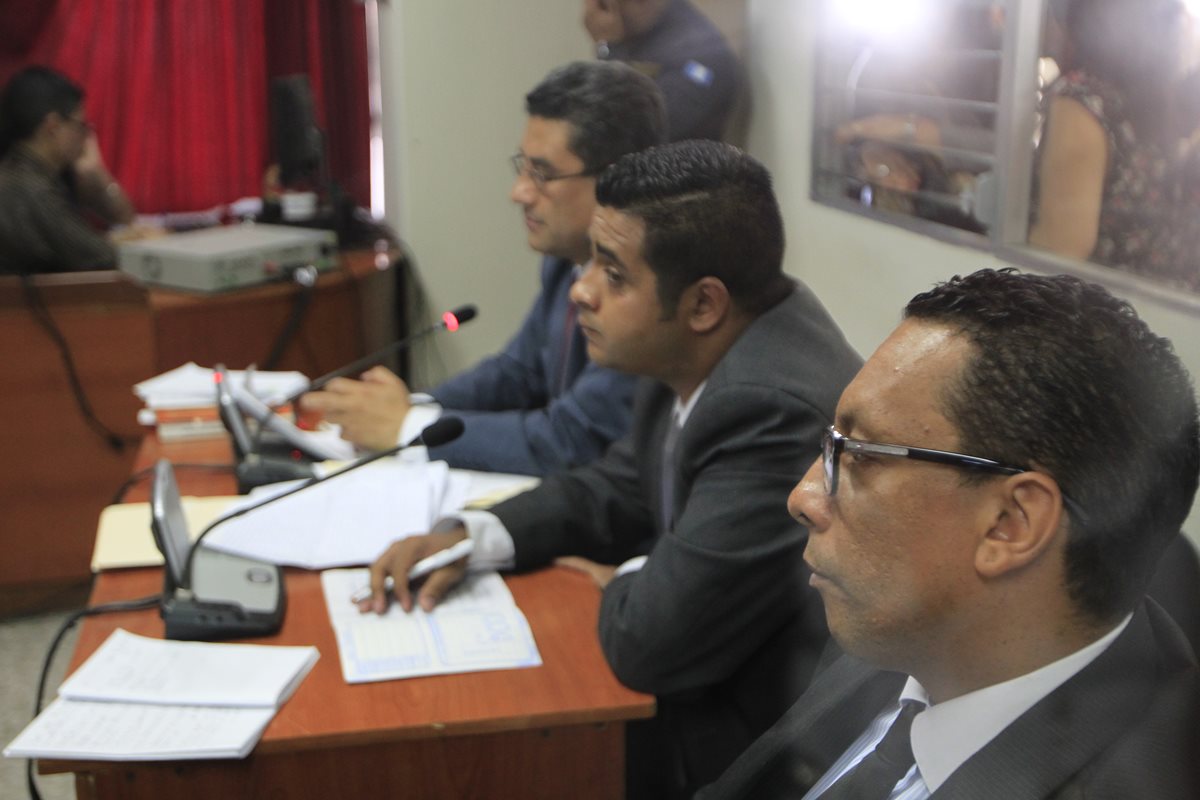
[(877, 774)]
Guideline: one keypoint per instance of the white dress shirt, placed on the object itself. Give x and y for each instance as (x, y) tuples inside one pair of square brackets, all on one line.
[(945, 735)]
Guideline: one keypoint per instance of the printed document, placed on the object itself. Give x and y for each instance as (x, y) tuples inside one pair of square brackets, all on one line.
[(476, 627)]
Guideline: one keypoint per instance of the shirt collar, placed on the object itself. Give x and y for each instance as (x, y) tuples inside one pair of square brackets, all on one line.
[(945, 735), (684, 410)]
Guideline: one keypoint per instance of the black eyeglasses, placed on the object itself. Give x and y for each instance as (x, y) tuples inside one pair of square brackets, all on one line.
[(833, 444), (522, 166)]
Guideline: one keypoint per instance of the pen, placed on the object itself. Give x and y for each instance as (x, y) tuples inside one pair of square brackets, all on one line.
[(442, 558)]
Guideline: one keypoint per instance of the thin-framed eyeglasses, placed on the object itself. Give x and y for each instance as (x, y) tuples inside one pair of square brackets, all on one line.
[(523, 166), (833, 444)]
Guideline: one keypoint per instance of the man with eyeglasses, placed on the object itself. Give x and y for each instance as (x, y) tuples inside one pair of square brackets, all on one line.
[(991, 502), (539, 405), (682, 522), (51, 171)]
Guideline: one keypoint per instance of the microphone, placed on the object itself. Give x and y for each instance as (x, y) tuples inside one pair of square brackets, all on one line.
[(209, 594), (451, 321), (253, 468)]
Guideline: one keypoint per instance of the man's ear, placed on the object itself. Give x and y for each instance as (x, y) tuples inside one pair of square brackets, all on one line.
[(1027, 516), (705, 304)]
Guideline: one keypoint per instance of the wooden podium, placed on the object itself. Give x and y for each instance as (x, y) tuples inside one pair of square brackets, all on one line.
[(552, 731), (56, 471)]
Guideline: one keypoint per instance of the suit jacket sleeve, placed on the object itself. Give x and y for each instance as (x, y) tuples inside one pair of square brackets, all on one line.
[(516, 420)]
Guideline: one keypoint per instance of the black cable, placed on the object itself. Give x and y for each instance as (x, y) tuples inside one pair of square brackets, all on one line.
[(142, 474), (306, 278), (122, 605), (40, 312)]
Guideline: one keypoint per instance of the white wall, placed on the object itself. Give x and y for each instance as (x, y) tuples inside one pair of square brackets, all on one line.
[(455, 74), (864, 271)]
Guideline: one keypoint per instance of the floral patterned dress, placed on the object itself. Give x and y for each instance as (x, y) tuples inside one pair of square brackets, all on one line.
[(1149, 216)]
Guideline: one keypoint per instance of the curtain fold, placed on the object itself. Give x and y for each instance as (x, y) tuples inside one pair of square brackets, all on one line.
[(177, 89)]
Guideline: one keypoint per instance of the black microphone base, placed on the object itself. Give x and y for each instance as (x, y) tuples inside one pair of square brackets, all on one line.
[(270, 444), (258, 471), (192, 620)]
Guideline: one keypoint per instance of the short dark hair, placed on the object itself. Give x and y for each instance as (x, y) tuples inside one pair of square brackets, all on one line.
[(1067, 377), (612, 108), (29, 96), (708, 209)]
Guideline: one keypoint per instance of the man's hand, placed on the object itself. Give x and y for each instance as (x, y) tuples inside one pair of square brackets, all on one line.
[(370, 411), (602, 18), (602, 574), (398, 559)]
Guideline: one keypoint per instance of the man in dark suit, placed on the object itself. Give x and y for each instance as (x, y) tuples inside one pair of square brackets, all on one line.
[(682, 522), (992, 500)]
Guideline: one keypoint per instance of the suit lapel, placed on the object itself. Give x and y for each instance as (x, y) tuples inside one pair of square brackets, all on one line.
[(1067, 729), (824, 722)]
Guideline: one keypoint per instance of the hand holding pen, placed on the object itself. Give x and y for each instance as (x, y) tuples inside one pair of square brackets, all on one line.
[(439, 556)]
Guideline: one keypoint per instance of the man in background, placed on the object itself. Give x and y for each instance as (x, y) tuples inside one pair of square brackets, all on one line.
[(51, 175), (539, 405), (682, 522), (677, 46), (993, 498)]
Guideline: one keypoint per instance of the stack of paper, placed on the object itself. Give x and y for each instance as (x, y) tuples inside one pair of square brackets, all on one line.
[(350, 520), (141, 699), (476, 627), (191, 386)]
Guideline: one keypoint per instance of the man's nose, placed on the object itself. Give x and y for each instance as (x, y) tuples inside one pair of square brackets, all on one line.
[(809, 503), (582, 293)]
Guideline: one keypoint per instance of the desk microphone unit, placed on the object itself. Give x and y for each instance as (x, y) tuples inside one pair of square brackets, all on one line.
[(254, 468), (209, 594), (226, 596)]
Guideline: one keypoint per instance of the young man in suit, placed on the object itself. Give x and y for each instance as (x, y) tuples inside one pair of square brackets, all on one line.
[(539, 405), (993, 498), (682, 522)]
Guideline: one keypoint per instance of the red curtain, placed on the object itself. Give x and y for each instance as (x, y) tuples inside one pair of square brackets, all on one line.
[(177, 89)]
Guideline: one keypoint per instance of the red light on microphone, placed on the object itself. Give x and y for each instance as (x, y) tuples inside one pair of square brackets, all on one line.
[(218, 377), (450, 321)]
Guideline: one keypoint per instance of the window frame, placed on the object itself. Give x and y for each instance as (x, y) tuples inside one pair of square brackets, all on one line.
[(1016, 124)]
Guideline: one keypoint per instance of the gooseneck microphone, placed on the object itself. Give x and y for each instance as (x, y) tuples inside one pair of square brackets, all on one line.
[(451, 321), (445, 429)]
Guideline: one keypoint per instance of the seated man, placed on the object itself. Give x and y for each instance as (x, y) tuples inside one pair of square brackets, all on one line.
[(677, 46), (539, 405), (685, 287), (991, 605), (51, 171)]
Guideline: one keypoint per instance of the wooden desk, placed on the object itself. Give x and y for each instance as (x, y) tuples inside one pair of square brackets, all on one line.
[(554, 731)]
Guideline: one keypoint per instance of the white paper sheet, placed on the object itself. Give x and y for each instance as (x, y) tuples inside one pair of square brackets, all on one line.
[(476, 627), (191, 386), (139, 732), (132, 668), (348, 520)]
